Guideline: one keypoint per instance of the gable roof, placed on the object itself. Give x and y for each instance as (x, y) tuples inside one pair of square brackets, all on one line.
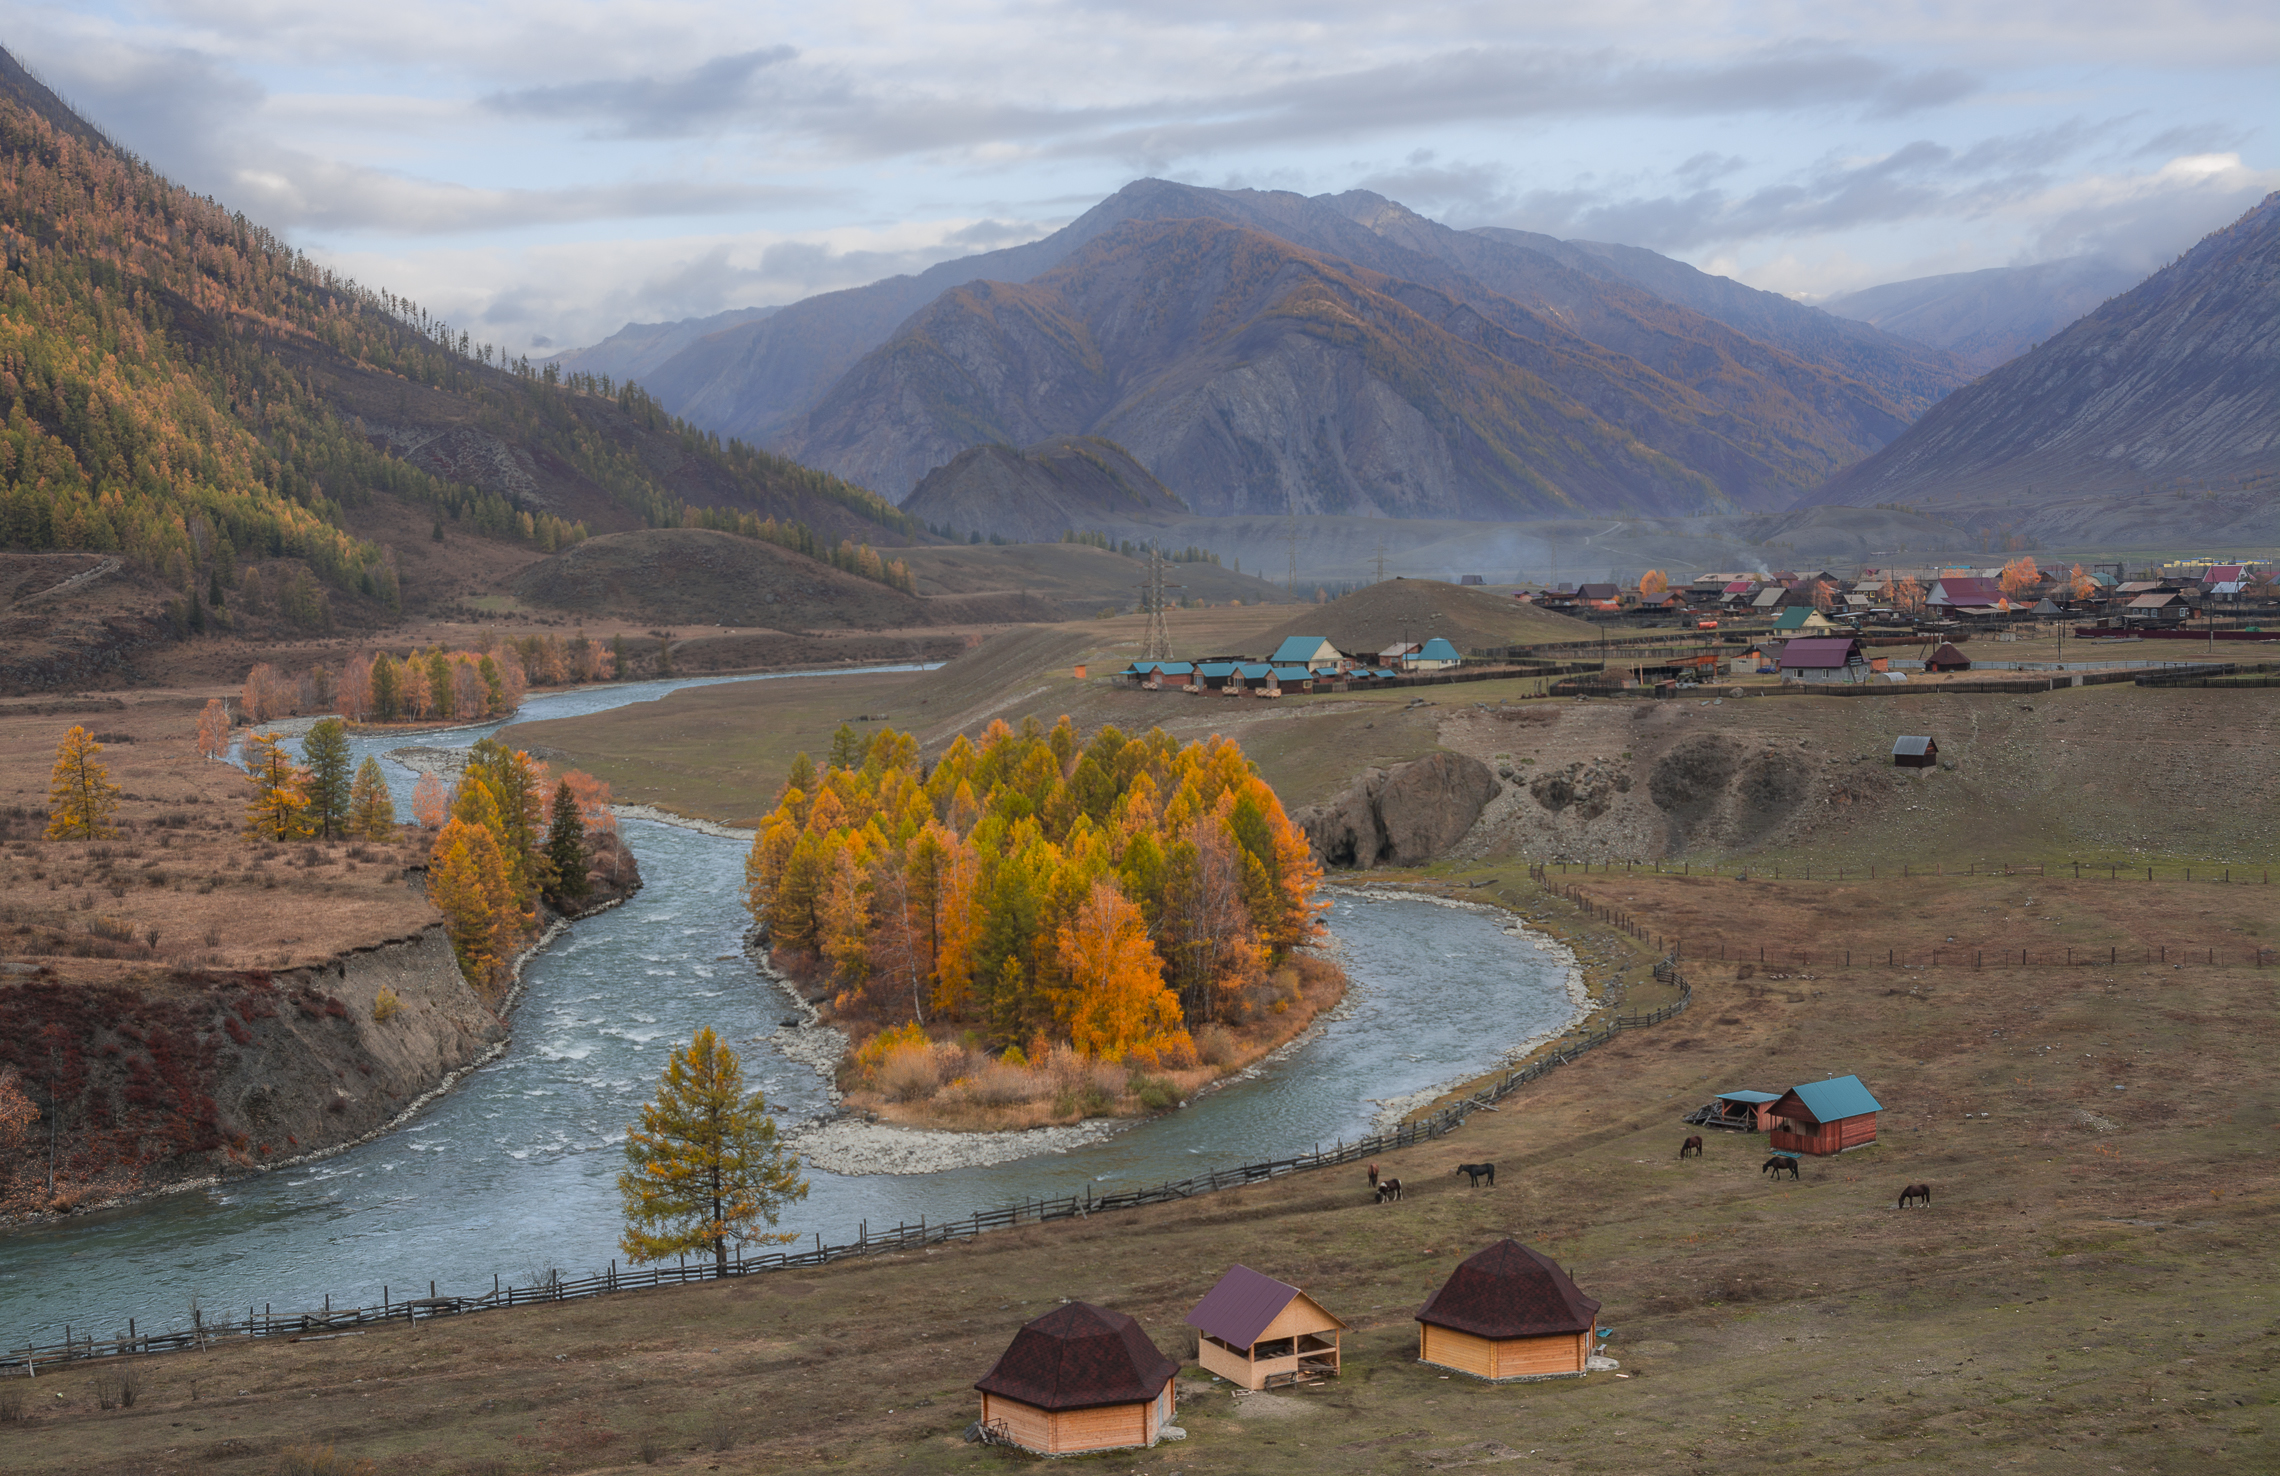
[(1838, 1097), (1510, 1291), (1966, 590), (1913, 747), (1243, 1304), (1077, 1356), (1301, 649), (1598, 592), (1815, 653)]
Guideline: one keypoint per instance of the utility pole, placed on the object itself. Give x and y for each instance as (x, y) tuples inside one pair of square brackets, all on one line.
[(1159, 642), (1380, 561), (1290, 531)]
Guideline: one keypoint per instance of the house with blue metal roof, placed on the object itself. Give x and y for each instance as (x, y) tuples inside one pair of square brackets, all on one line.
[(1820, 1117), (1313, 652), (1435, 654)]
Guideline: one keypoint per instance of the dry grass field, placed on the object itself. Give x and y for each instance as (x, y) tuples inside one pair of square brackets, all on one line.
[(2091, 1290)]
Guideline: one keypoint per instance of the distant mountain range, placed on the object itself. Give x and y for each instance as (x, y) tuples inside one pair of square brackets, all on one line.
[(1483, 373), (1988, 318), (2172, 387)]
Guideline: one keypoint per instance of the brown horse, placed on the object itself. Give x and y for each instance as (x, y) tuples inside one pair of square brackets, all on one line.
[(1692, 1147), (1388, 1189), (1918, 1192), (1373, 1176)]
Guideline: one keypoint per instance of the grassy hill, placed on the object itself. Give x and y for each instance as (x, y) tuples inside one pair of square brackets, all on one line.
[(695, 575), (1071, 579), (1373, 618)]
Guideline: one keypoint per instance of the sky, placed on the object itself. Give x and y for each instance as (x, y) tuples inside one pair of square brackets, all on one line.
[(541, 172)]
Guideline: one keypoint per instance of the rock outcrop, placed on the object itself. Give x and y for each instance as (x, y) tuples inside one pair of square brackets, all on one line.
[(1402, 816)]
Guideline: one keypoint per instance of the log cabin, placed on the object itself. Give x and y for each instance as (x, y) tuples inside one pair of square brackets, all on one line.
[(1823, 1117), (1079, 1378), (1508, 1313), (1256, 1332)]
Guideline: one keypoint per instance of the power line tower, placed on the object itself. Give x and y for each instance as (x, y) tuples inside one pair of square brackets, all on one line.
[(1158, 646), (1380, 562), (1290, 534)]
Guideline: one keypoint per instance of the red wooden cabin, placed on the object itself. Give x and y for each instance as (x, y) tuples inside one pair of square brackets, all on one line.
[(1822, 1117)]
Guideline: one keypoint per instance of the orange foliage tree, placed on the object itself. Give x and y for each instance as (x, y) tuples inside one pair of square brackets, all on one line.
[(1654, 582), (214, 729), (429, 805), (1112, 892), (1907, 595), (2019, 576)]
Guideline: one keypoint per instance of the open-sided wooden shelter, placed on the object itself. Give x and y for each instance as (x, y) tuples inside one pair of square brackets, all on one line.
[(1256, 1331), (1508, 1313), (1079, 1378), (1740, 1110), (1822, 1117)]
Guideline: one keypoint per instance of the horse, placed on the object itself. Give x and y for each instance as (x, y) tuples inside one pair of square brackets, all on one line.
[(1388, 1189), (1777, 1163), (1691, 1146), (1921, 1192), (1373, 1176), (1478, 1172)]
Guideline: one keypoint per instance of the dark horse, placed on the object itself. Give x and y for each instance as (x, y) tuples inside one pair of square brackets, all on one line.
[(1388, 1189), (1479, 1171), (1919, 1192), (1777, 1163), (1692, 1147)]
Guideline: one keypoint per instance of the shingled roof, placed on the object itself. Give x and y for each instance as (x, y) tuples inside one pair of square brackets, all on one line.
[(1242, 1306), (1510, 1291), (1078, 1356)]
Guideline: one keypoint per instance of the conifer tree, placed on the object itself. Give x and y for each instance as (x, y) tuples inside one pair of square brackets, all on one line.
[(325, 752), (618, 665), (467, 881), (81, 797), (566, 844), (387, 689), (704, 1166), (280, 803), (371, 807)]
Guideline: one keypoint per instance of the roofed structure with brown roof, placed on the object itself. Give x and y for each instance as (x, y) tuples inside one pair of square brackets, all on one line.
[(1510, 1291), (1080, 1377)]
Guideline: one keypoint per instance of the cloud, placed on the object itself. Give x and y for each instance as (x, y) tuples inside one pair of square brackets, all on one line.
[(748, 86)]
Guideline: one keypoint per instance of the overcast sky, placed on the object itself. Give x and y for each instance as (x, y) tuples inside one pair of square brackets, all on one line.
[(542, 171)]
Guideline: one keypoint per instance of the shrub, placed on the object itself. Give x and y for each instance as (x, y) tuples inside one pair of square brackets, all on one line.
[(320, 1460), (1000, 1084), (385, 1005), (1153, 1092), (910, 1074)]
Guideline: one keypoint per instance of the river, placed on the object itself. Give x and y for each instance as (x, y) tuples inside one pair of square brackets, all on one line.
[(515, 1171)]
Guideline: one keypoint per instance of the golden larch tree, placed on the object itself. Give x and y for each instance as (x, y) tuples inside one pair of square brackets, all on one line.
[(1119, 1000), (469, 884), (1654, 582), (280, 803), (81, 797), (704, 1166)]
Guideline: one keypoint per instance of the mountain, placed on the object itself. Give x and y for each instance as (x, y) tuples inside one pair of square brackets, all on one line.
[(1066, 484), (1989, 317), (2176, 381), (638, 350), (188, 392)]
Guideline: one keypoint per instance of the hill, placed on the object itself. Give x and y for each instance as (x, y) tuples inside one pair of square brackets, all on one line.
[(1253, 375), (1061, 485), (638, 350), (1373, 618), (679, 576), (1059, 581), (2174, 384), (1988, 318)]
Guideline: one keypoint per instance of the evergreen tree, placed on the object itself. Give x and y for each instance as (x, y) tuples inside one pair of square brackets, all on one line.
[(566, 844), (704, 1166), (371, 807), (279, 801), (618, 663), (330, 782), (387, 689), (81, 797), (846, 748)]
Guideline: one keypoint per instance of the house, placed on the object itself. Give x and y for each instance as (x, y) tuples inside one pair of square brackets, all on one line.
[(2159, 608), (1470, 579), (1822, 659), (1255, 1331), (1663, 603), (1292, 679), (1599, 596), (1213, 675), (1508, 1313), (1820, 1117), (1948, 658), (1965, 592), (1170, 674), (1771, 599), (1434, 655), (1737, 1111), (1313, 652), (1915, 753), (1802, 619), (1079, 1378)]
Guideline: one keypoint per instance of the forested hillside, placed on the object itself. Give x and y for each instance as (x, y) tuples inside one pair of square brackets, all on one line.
[(185, 390)]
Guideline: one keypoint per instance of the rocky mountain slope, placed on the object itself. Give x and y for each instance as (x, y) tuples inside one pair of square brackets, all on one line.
[(1988, 318), (1069, 483), (2173, 386)]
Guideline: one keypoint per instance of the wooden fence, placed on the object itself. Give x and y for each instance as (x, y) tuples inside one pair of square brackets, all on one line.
[(331, 1322)]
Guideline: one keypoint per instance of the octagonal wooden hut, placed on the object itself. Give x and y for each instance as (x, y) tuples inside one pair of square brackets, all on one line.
[(1079, 1378), (1508, 1313)]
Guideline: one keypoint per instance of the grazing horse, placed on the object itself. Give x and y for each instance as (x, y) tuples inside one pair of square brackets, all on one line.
[(1479, 1171), (1691, 1147), (1922, 1192), (1388, 1189), (1373, 1176), (1777, 1163)]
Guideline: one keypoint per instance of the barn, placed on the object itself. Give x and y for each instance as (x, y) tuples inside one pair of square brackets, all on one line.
[(1508, 1313), (1822, 1117), (1079, 1378), (1915, 753), (1256, 1332)]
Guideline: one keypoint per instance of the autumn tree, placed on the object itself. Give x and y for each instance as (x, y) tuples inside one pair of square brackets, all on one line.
[(2080, 583), (280, 801), (371, 807), (82, 800), (469, 884), (325, 756), (566, 843), (704, 1166), (214, 730), (1654, 582), (1116, 1002), (429, 805), (2019, 576), (1907, 595)]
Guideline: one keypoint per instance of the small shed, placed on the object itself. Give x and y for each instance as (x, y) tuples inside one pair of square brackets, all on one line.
[(1915, 753), (1508, 1313), (1079, 1378), (1470, 579), (1257, 1332), (1948, 658), (1822, 1117), (1738, 1111)]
